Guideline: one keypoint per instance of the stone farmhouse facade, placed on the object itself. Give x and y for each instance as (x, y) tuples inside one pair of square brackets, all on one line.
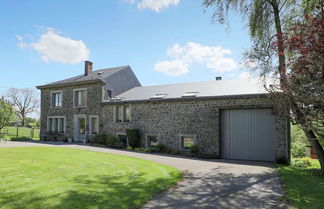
[(226, 118)]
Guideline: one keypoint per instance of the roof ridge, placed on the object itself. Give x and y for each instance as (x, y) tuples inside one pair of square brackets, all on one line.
[(94, 75), (111, 68), (194, 82)]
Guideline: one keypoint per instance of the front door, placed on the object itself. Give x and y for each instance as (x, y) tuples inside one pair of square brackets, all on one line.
[(80, 128)]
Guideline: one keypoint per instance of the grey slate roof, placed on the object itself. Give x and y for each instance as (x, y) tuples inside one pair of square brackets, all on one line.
[(93, 76), (205, 89)]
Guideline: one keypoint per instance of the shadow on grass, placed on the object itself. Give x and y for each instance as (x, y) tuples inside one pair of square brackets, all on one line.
[(101, 191), (303, 189)]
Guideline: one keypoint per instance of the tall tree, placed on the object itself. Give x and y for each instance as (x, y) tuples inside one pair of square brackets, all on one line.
[(6, 113), (267, 19), (304, 45), (25, 102)]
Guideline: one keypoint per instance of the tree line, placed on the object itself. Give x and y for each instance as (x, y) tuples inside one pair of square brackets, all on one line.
[(18, 103)]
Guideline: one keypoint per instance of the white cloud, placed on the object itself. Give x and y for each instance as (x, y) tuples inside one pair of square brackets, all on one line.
[(20, 38), (173, 68), (213, 57), (154, 5), (245, 75), (53, 47), (21, 43)]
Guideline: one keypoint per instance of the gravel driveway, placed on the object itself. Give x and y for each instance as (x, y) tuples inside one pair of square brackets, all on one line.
[(207, 183)]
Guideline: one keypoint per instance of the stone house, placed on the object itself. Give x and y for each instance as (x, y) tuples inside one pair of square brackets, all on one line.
[(229, 119), (72, 107)]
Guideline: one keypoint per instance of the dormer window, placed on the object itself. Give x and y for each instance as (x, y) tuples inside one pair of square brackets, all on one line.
[(109, 93), (56, 99)]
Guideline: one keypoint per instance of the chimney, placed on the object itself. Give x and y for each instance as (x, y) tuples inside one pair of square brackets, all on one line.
[(218, 78), (87, 68)]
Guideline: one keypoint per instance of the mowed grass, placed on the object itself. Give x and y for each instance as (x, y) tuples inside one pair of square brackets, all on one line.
[(302, 188), (44, 177)]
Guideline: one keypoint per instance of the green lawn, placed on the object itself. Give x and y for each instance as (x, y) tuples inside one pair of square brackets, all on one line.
[(44, 177), (302, 189)]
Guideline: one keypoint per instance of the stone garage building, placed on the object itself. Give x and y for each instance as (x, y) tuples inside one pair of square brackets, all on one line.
[(229, 119)]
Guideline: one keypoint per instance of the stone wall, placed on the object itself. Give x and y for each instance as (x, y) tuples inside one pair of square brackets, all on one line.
[(169, 119), (94, 96)]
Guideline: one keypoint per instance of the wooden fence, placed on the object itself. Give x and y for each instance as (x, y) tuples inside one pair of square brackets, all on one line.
[(12, 131)]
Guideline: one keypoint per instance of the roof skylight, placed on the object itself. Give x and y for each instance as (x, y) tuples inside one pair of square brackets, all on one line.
[(117, 99), (191, 94), (158, 96)]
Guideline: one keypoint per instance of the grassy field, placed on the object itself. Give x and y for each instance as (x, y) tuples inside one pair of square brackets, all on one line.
[(10, 133), (302, 188), (43, 177)]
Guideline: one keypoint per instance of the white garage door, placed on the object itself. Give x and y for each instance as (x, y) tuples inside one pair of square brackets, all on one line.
[(248, 134)]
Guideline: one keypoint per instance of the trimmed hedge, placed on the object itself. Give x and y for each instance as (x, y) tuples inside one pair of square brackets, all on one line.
[(160, 148), (134, 138), (99, 138), (111, 140)]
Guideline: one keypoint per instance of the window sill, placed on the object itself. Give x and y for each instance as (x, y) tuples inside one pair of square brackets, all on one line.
[(56, 107), (92, 134), (76, 107)]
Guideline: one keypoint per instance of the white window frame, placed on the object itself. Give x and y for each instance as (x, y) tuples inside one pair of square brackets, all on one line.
[(147, 145), (90, 124), (123, 116), (86, 96), (194, 137), (51, 99), (53, 124), (122, 134), (124, 113)]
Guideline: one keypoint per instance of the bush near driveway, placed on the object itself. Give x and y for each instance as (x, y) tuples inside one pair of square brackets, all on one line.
[(134, 138), (47, 177), (111, 140), (100, 138)]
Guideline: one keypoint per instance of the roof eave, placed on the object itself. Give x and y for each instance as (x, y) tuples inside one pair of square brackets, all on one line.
[(68, 84), (240, 96)]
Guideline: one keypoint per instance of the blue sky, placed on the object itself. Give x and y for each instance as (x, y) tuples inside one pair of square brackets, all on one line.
[(164, 41)]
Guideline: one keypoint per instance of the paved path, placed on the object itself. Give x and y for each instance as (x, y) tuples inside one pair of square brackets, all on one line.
[(207, 183)]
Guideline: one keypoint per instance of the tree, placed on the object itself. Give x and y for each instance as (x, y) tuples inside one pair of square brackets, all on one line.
[(6, 113), (267, 19), (304, 45), (25, 102)]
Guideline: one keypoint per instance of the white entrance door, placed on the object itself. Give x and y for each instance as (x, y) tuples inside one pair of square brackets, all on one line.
[(80, 128)]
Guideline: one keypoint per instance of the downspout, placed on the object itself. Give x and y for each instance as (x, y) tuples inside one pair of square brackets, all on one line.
[(287, 146)]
